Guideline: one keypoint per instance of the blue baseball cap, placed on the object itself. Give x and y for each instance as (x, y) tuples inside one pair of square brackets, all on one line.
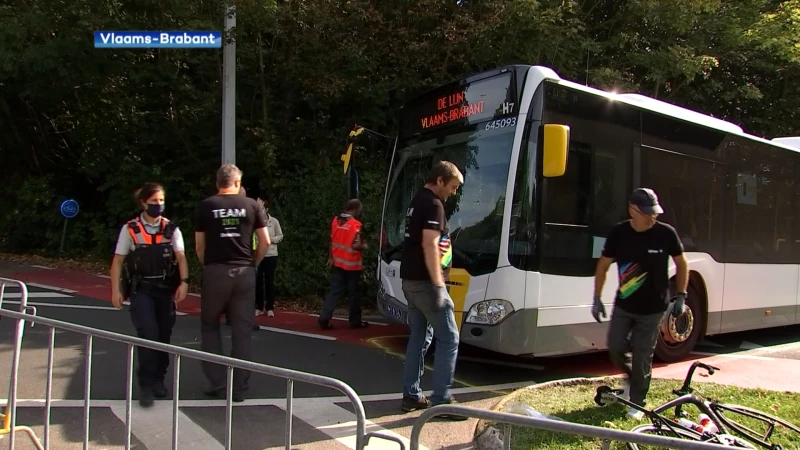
[(646, 200)]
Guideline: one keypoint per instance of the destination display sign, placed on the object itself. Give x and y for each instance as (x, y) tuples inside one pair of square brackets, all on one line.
[(460, 104)]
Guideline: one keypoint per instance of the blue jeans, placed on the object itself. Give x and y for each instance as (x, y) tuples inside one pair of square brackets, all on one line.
[(430, 313)]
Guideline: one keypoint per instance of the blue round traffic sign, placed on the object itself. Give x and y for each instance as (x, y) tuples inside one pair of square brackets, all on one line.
[(69, 208)]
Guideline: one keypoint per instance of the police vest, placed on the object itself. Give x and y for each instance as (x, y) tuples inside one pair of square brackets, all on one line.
[(152, 258), (342, 234)]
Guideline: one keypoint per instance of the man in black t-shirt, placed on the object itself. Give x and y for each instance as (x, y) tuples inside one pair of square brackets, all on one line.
[(427, 257), (641, 247), (224, 229)]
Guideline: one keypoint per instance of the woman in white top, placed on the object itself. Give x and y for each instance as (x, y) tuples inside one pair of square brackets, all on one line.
[(265, 288)]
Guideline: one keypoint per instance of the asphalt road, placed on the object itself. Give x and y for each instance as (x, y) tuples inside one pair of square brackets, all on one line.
[(374, 372), (372, 367)]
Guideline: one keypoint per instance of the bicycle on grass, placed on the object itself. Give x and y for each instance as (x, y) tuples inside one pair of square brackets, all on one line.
[(724, 411), (661, 425)]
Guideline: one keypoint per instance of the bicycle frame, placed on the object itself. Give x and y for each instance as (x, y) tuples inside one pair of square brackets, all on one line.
[(715, 406), (604, 392)]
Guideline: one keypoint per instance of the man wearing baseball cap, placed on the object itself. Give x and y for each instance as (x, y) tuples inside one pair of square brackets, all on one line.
[(641, 247)]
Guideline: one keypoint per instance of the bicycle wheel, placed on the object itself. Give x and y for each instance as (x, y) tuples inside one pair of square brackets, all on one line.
[(742, 420), (662, 431)]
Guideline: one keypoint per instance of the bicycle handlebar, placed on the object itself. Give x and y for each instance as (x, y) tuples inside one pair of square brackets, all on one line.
[(686, 389)]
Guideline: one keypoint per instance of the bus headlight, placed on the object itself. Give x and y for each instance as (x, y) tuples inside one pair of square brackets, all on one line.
[(489, 312)]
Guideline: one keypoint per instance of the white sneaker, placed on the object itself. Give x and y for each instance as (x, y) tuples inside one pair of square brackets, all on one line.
[(626, 392), (635, 414), (270, 313), (259, 312)]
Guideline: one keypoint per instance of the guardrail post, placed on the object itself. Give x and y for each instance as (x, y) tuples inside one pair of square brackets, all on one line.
[(87, 392), (176, 384), (506, 436), (9, 426), (289, 413), (49, 389)]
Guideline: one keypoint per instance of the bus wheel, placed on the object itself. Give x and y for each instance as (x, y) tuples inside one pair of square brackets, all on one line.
[(678, 337)]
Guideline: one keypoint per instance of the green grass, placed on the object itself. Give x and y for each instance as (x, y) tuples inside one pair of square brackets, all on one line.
[(576, 404)]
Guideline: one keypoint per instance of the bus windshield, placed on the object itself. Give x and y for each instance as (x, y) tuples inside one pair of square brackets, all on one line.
[(475, 212)]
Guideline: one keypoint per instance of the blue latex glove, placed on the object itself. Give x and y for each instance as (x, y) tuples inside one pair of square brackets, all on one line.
[(680, 304)]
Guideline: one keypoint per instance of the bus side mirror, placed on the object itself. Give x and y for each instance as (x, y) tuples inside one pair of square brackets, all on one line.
[(556, 145)]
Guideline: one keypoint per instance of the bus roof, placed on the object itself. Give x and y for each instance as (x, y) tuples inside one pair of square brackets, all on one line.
[(678, 112)]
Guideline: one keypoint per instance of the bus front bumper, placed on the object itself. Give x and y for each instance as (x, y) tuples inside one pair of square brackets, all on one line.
[(520, 335)]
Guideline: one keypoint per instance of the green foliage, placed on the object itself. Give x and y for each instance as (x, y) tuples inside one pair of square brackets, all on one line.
[(94, 124)]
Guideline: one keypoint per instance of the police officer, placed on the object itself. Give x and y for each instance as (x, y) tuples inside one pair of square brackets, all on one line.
[(152, 250)]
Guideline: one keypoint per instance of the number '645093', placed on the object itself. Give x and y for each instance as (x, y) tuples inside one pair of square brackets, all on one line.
[(501, 123)]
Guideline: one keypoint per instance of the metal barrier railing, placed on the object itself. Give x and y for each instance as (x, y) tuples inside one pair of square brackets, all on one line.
[(556, 426), (362, 438), (9, 416)]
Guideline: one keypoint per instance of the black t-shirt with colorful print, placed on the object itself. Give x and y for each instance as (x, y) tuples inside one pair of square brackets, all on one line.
[(426, 212), (643, 265)]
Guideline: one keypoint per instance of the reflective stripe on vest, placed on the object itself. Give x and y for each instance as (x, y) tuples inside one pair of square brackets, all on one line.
[(342, 236), (141, 237)]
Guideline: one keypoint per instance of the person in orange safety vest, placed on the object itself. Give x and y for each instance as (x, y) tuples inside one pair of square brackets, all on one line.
[(344, 256)]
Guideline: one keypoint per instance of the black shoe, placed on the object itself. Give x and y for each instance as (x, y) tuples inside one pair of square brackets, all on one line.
[(159, 389), (453, 417), (146, 397), (325, 324), (412, 404), (238, 397), (215, 392), (361, 324)]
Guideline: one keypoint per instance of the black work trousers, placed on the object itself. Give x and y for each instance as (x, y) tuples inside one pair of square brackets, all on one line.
[(342, 281), (231, 289), (265, 289), (153, 314), (637, 334)]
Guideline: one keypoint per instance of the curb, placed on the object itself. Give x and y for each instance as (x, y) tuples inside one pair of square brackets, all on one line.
[(484, 428)]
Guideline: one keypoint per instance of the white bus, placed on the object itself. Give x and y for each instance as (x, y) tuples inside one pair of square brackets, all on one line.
[(549, 165)]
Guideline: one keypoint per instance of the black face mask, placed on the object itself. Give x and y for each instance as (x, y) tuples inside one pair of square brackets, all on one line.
[(155, 211)]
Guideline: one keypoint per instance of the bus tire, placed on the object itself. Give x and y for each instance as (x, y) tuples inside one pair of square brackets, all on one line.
[(670, 351)]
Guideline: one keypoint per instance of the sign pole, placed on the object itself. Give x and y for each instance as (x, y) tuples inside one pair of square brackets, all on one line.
[(229, 87), (69, 209), (63, 235)]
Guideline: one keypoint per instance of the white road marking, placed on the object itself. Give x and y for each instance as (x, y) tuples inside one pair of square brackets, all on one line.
[(42, 267), (103, 276), (280, 402), (749, 345), (298, 333), (35, 295), (153, 426), (54, 288), (64, 305), (345, 319), (340, 424)]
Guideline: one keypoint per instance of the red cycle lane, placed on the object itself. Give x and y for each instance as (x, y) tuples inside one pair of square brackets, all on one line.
[(98, 287)]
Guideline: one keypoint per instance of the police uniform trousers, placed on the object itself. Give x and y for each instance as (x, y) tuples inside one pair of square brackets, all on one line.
[(153, 314)]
